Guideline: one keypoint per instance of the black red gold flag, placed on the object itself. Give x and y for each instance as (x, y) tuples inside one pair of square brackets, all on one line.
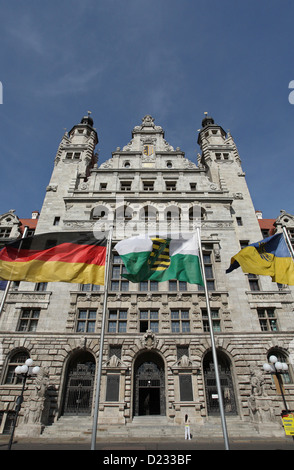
[(77, 257)]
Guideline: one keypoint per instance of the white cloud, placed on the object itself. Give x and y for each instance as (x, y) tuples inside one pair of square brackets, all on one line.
[(26, 34)]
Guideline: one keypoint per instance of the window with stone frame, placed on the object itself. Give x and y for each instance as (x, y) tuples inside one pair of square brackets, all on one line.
[(253, 280), (146, 286), (286, 376), (90, 287), (215, 317), (125, 185), (86, 320), (16, 359), (5, 232), (170, 185), (149, 320), (182, 350), (148, 185), (180, 321), (117, 282), (177, 286), (28, 319), (117, 320), (207, 251), (41, 286), (114, 350), (267, 319)]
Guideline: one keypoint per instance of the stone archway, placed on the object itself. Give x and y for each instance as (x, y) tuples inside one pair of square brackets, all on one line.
[(78, 393), (149, 385)]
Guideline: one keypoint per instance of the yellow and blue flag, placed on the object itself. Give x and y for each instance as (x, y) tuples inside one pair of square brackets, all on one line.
[(268, 257)]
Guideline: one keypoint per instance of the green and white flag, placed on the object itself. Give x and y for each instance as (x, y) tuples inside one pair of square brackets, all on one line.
[(161, 259)]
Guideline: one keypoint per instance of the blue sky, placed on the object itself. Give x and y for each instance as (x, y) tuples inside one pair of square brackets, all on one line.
[(123, 59)]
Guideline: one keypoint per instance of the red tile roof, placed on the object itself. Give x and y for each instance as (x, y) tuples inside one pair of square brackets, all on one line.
[(267, 224)]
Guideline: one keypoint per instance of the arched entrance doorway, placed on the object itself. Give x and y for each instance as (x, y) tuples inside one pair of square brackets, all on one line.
[(149, 385), (78, 394), (224, 366)]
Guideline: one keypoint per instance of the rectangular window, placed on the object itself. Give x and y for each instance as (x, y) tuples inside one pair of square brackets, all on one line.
[(182, 351), (125, 185), (148, 185), (193, 186), (170, 185), (86, 321), (41, 287), (180, 322), (117, 282), (207, 260), (177, 286), (267, 319), (28, 320), (56, 221), (112, 387), (186, 391), (90, 287), (114, 350), (239, 221), (103, 186), (149, 320), (253, 280), (117, 321), (145, 286), (216, 323), (5, 232)]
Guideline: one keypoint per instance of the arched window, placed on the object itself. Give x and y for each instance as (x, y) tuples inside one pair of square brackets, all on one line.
[(123, 213), (282, 357), (16, 359), (149, 214), (99, 212), (197, 213), (172, 213)]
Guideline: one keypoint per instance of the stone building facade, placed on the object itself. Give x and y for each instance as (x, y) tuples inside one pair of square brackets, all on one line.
[(157, 356)]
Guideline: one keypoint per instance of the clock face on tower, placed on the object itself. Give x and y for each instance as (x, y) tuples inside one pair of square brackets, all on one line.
[(148, 150)]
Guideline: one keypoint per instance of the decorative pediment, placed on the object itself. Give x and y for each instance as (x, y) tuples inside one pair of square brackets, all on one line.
[(115, 363), (184, 363), (285, 219), (9, 219)]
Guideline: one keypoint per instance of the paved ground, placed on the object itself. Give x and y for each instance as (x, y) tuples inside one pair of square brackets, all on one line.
[(146, 446)]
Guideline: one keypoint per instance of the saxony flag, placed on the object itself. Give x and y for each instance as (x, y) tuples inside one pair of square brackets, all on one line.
[(55, 257), (161, 259)]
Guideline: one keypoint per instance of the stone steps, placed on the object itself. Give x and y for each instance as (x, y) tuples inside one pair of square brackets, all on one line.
[(70, 427)]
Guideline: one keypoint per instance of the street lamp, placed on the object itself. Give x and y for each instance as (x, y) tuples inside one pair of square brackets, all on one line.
[(26, 370), (277, 368)]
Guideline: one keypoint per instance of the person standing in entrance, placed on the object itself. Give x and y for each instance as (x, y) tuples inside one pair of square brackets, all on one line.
[(187, 427)]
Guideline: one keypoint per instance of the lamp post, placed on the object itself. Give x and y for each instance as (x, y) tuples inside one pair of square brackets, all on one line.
[(26, 370), (277, 368)]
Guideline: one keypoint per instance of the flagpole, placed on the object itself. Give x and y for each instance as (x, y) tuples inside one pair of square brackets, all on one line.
[(214, 354), (3, 300), (99, 370), (288, 241)]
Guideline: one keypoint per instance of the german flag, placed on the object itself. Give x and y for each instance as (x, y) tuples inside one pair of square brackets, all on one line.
[(55, 257)]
